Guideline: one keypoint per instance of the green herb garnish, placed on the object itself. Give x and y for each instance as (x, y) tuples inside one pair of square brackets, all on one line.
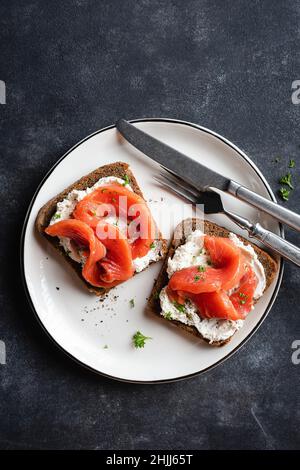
[(292, 163), (56, 216), (168, 316), (284, 193), (156, 295), (287, 179), (179, 307), (201, 269), (152, 245), (196, 278), (131, 303), (241, 294), (139, 339), (242, 302), (126, 180)]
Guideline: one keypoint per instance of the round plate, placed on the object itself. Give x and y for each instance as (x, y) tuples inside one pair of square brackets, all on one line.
[(98, 334)]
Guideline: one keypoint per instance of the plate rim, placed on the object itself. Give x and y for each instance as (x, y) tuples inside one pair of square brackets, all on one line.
[(22, 245)]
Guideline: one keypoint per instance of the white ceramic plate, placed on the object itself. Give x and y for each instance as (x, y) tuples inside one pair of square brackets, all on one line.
[(82, 325)]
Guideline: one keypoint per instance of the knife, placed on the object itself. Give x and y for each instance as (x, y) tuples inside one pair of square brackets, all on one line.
[(198, 175)]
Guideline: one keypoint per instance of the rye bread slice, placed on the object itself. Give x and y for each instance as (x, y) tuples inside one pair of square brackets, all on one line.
[(118, 169), (180, 234)]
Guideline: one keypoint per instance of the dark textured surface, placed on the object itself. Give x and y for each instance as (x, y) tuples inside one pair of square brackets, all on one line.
[(75, 66)]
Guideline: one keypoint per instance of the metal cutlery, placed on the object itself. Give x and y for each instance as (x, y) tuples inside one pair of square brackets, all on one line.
[(212, 204), (199, 176)]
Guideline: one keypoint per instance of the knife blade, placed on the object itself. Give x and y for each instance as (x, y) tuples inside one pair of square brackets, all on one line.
[(200, 176), (190, 170)]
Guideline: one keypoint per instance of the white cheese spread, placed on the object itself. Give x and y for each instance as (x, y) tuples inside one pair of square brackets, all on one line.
[(66, 207), (190, 254)]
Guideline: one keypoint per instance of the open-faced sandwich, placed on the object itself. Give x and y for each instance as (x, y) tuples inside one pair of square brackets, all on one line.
[(103, 227), (210, 281)]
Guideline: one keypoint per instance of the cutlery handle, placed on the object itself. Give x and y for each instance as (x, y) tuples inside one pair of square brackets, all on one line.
[(278, 244), (280, 213)]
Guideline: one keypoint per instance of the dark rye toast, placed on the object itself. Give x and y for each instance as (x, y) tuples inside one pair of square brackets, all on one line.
[(181, 232), (119, 170)]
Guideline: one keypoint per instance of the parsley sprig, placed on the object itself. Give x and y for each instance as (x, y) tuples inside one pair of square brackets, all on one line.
[(126, 180), (168, 316), (180, 307), (292, 163), (201, 269), (284, 193), (139, 339), (287, 179)]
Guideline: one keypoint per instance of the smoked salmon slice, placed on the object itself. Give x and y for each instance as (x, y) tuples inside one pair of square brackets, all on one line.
[(216, 305), (210, 304), (117, 263), (83, 236), (242, 298), (207, 287), (108, 262), (118, 201), (227, 269)]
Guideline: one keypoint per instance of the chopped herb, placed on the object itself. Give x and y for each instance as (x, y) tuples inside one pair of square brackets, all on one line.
[(139, 339), (152, 245), (292, 163), (105, 346), (131, 302), (200, 252), (284, 193), (201, 269), (196, 278), (209, 263), (242, 302), (94, 213), (241, 294), (156, 295), (126, 180), (287, 179), (179, 307), (168, 316), (56, 216)]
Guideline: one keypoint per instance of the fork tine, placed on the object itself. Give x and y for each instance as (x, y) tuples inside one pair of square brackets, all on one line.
[(170, 176), (181, 192)]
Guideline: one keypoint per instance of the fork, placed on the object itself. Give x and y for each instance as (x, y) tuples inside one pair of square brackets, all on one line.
[(212, 204)]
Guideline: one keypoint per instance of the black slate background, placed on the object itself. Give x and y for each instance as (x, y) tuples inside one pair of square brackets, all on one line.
[(72, 67)]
